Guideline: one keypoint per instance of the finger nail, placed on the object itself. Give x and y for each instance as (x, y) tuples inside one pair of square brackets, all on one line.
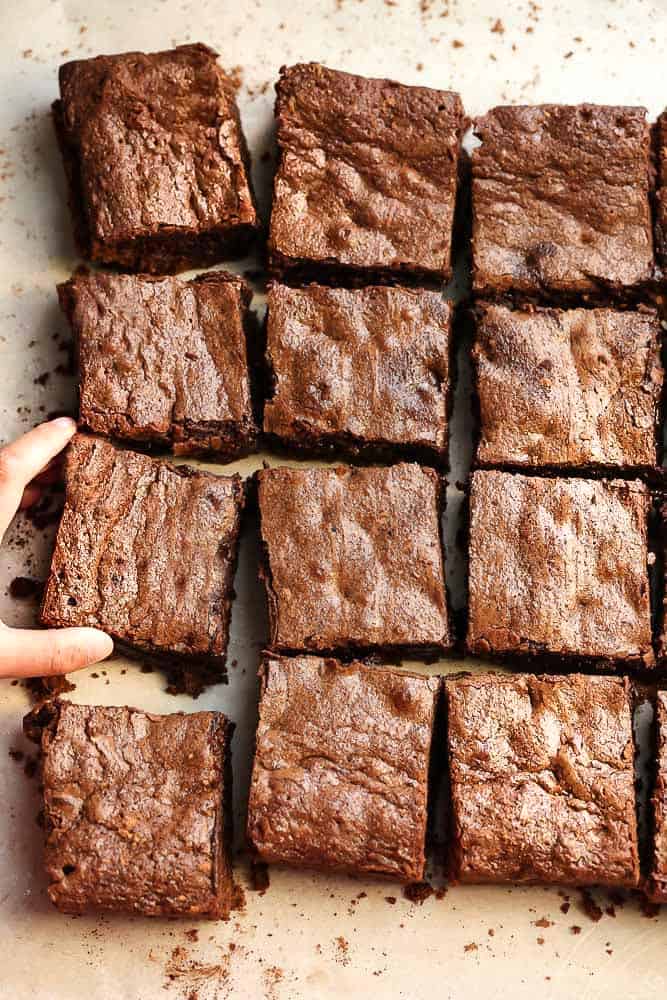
[(65, 424)]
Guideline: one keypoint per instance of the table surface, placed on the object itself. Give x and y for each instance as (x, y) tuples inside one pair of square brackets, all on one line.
[(307, 935)]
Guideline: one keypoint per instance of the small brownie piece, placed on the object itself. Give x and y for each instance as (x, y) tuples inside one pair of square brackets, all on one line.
[(353, 559), (560, 199), (661, 190), (340, 778), (145, 550), (559, 569), (572, 390), (164, 361), (368, 173), (137, 809), (360, 372), (656, 885), (541, 773), (155, 159)]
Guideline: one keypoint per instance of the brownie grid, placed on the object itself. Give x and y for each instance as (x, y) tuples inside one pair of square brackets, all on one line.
[(523, 278)]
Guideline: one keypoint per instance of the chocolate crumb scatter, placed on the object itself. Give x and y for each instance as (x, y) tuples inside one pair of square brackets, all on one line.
[(589, 906), (471, 946), (417, 892), (45, 688)]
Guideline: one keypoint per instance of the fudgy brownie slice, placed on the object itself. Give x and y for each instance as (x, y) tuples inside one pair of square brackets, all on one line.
[(368, 173), (541, 773), (146, 551), (575, 389), (137, 809), (558, 569), (340, 778), (560, 199), (353, 559), (164, 361), (363, 372), (656, 886), (156, 160), (661, 190)]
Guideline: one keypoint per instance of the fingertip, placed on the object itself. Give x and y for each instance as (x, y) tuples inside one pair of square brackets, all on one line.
[(97, 643), (66, 425)]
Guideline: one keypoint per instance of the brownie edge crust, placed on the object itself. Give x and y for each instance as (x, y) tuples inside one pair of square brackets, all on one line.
[(137, 809)]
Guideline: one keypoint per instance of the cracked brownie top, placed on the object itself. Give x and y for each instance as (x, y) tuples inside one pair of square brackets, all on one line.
[(542, 780), (340, 778), (368, 173)]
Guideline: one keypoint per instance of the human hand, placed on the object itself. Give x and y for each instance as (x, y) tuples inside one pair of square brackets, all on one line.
[(40, 652)]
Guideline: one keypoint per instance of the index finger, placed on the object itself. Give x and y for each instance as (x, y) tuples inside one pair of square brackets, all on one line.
[(25, 458)]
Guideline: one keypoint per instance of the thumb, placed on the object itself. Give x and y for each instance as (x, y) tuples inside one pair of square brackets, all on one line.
[(44, 652)]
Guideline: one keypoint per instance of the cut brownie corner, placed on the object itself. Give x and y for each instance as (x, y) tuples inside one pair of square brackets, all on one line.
[(136, 850)]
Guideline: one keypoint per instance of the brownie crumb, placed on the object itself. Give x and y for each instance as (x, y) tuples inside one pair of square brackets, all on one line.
[(418, 892), (45, 688), (23, 588), (564, 907), (259, 877), (472, 946), (391, 900), (30, 766), (544, 922), (590, 907), (649, 909), (498, 27), (575, 929), (238, 897), (192, 934), (16, 755)]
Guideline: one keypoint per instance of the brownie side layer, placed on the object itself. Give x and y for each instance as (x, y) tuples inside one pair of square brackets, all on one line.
[(134, 809), (340, 777), (367, 178), (145, 550), (656, 885), (542, 780)]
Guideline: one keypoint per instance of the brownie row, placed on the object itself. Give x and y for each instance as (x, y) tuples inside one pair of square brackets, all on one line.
[(353, 563), (367, 181), (347, 771), (362, 373)]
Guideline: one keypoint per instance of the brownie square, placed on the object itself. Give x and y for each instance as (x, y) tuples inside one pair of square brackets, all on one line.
[(541, 773), (357, 803), (156, 160), (560, 199), (656, 885), (353, 559), (568, 390), (367, 177), (164, 361), (558, 569), (361, 372), (661, 190), (146, 551), (137, 809)]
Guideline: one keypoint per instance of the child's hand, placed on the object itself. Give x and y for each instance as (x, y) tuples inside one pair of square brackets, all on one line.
[(40, 652)]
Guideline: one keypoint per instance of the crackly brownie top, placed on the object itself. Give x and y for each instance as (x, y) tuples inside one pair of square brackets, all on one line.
[(160, 357), (132, 806), (158, 141), (340, 778), (561, 199), (559, 566), (568, 388), (144, 550), (368, 171), (371, 363), (542, 779), (657, 882), (354, 557)]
